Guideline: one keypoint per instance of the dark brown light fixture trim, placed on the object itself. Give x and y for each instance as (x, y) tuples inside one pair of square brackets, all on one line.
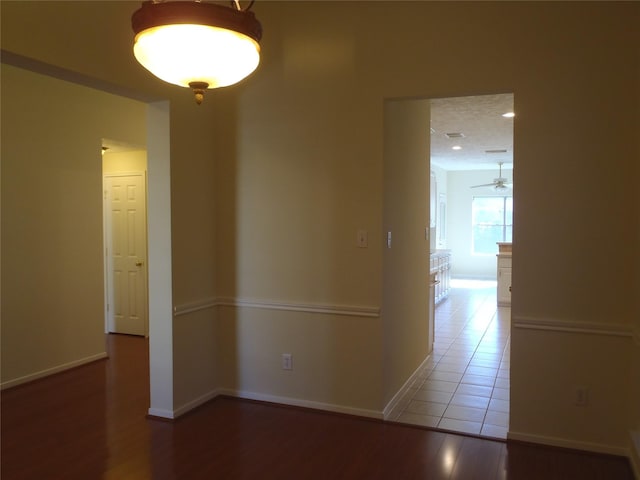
[(153, 14)]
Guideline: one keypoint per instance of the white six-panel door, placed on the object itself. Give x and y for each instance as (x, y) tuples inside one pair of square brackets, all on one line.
[(126, 253)]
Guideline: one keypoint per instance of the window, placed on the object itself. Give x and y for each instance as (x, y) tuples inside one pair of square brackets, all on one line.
[(492, 222)]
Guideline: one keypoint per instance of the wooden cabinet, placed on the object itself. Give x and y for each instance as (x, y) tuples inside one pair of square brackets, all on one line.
[(441, 267), (504, 280), (432, 307), (504, 274)]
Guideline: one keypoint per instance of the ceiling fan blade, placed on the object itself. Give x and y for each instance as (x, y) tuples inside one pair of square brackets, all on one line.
[(500, 183)]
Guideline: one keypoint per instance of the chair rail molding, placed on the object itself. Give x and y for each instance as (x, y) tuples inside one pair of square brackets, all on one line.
[(572, 326), (213, 302)]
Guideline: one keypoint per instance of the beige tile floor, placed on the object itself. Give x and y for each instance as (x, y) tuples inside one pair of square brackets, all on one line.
[(465, 387)]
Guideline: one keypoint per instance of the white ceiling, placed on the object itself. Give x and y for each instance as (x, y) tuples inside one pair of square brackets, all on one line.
[(480, 120)]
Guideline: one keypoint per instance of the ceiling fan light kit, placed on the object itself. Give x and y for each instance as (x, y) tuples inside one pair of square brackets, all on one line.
[(195, 44), (499, 184)]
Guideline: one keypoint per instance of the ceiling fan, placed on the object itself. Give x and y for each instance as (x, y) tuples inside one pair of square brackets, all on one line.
[(498, 184)]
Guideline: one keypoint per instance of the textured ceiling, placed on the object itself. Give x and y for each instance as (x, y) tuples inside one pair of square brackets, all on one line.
[(480, 120)]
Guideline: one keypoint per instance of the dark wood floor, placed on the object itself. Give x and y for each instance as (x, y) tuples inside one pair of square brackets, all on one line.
[(89, 423)]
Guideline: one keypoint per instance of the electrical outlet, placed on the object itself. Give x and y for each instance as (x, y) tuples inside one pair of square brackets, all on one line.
[(581, 396), (287, 361)]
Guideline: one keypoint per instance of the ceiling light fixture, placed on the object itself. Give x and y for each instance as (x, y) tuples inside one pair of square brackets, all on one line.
[(195, 44), (456, 147), (509, 115)]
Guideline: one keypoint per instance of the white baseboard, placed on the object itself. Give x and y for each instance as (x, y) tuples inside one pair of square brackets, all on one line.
[(50, 371), (296, 402), (404, 390), (187, 407), (568, 443), (195, 403), (161, 413)]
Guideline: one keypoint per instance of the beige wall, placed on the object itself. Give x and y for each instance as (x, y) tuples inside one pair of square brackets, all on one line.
[(331, 358), (52, 244), (272, 178), (547, 365), (566, 85)]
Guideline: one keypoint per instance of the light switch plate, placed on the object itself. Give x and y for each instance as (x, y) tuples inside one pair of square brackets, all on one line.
[(362, 239), (287, 361)]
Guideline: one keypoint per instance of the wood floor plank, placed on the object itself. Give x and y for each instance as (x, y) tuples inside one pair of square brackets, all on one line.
[(90, 423), (478, 459)]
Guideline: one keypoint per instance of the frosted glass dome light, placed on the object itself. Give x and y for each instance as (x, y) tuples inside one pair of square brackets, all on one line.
[(196, 45)]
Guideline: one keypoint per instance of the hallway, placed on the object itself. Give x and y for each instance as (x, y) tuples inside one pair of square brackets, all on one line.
[(465, 387)]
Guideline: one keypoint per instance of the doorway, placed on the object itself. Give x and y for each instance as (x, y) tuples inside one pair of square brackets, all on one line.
[(472, 148), (125, 239), (464, 386)]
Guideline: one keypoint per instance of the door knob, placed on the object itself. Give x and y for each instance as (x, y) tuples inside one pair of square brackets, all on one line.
[(138, 264)]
